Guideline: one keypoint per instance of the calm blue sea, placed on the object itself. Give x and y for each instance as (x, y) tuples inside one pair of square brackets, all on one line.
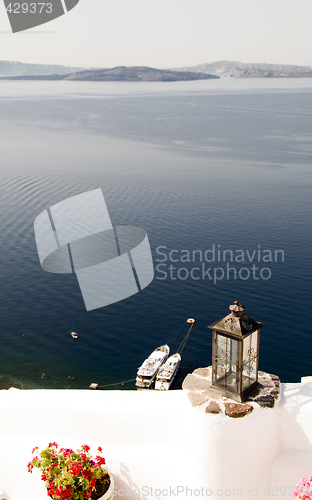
[(208, 166)]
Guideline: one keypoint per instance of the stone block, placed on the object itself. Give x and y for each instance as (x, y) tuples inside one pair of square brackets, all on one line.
[(265, 401), (193, 383), (267, 383), (274, 391), (202, 372), (211, 394), (197, 398), (213, 407), (237, 410)]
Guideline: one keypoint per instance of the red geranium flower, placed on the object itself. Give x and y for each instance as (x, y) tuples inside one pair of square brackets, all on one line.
[(75, 469), (92, 482), (30, 467), (66, 451), (100, 460), (67, 493), (85, 448), (87, 474)]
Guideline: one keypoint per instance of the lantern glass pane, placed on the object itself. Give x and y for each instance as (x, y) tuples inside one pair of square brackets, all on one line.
[(250, 360), (227, 360)]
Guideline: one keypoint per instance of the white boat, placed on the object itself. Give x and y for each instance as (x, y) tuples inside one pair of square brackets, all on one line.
[(147, 372), (167, 373), (74, 335)]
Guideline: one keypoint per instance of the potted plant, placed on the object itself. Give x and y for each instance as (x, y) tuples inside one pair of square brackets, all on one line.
[(303, 490), (73, 475)]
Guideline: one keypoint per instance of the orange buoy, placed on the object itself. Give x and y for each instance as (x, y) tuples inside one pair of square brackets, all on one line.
[(190, 320)]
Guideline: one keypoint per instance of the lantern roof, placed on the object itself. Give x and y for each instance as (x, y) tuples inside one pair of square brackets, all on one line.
[(236, 323)]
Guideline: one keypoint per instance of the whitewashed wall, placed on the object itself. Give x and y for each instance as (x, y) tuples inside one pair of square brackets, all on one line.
[(295, 458), (157, 445)]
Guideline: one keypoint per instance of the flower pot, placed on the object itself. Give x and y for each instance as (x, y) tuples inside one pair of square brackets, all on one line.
[(109, 493)]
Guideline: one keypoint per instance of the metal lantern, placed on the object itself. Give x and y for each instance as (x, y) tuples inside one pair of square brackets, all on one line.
[(235, 354)]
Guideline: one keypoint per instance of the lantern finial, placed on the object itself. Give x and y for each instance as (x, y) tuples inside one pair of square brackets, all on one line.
[(237, 308)]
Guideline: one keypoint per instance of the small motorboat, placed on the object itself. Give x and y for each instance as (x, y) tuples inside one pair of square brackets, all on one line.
[(167, 373), (147, 372), (74, 335)]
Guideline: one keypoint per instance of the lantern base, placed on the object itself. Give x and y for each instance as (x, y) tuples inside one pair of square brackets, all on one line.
[(241, 398)]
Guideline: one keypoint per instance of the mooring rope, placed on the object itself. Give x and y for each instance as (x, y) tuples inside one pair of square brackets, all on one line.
[(118, 383), (179, 351), (175, 336)]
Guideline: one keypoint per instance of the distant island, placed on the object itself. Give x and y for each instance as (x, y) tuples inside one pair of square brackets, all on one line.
[(120, 74), (263, 73), (238, 69), (16, 68)]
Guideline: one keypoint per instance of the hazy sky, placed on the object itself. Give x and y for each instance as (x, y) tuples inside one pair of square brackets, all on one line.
[(166, 33)]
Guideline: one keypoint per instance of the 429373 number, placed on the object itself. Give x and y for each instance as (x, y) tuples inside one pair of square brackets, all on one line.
[(32, 8), (281, 491)]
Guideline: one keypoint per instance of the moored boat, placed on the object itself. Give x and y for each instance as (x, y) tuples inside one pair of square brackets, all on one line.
[(147, 372), (167, 373)]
